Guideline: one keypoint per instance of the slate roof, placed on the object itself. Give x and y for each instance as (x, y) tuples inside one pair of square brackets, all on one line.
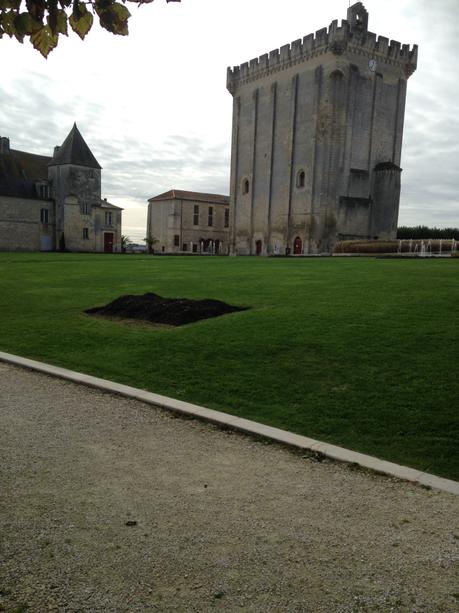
[(195, 196), (19, 172), (74, 150), (108, 205)]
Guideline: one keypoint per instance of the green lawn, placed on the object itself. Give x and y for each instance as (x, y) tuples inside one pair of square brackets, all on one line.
[(355, 351)]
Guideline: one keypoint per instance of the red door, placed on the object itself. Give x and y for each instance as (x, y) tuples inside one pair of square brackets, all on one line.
[(108, 242), (297, 246), (258, 247)]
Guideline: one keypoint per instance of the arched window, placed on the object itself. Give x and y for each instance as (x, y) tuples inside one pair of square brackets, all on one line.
[(245, 186), (337, 75), (301, 178)]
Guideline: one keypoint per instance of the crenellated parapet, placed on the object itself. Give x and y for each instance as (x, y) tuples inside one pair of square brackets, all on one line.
[(337, 39)]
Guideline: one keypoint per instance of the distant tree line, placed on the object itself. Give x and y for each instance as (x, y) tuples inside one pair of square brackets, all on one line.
[(426, 232)]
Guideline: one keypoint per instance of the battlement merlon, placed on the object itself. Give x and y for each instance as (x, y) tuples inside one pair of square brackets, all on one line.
[(336, 39)]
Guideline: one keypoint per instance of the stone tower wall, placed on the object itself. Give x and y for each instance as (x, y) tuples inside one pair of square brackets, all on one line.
[(385, 201), (315, 107), (73, 187)]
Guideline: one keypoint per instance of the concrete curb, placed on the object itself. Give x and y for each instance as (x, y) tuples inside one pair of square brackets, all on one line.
[(242, 425)]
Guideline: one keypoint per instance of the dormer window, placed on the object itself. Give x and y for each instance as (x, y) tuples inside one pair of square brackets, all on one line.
[(43, 191)]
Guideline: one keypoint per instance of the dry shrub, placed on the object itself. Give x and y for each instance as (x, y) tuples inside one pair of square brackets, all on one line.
[(366, 246)]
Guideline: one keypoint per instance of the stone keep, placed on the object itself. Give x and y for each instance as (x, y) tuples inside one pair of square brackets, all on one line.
[(317, 137)]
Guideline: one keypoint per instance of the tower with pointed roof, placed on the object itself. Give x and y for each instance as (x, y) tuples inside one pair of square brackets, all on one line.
[(55, 203), (75, 179)]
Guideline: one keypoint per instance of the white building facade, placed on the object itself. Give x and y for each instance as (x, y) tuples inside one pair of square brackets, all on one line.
[(188, 222)]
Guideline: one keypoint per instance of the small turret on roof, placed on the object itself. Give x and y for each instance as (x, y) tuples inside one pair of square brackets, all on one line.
[(74, 150)]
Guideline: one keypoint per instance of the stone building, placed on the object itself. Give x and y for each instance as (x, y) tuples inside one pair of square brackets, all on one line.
[(54, 203), (181, 221), (317, 137)]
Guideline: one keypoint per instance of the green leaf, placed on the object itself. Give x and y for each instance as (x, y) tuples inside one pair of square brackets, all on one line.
[(81, 21), (37, 8), (121, 22), (120, 11), (102, 5), (7, 21), (25, 24), (10, 4), (60, 22), (44, 40), (114, 18)]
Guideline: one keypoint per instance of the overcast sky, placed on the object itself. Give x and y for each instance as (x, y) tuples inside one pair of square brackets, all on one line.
[(154, 109)]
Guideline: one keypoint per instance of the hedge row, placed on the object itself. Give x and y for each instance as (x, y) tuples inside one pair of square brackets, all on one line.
[(426, 232)]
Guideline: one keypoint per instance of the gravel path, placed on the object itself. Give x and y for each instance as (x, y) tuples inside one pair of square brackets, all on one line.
[(221, 521)]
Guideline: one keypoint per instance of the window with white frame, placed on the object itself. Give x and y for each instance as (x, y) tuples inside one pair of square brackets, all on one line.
[(43, 191)]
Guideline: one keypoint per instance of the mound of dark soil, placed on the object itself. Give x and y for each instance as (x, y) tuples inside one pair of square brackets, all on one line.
[(171, 311)]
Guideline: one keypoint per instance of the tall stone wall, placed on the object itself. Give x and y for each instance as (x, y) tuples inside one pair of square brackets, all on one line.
[(311, 121), (79, 209), (21, 228), (74, 188)]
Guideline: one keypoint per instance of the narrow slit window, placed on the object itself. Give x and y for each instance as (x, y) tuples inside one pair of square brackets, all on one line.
[(44, 215), (301, 179)]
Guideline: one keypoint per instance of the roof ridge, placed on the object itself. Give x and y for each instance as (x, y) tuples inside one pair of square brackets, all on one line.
[(190, 195)]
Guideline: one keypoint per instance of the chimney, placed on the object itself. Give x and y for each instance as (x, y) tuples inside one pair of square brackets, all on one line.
[(56, 149), (4, 144)]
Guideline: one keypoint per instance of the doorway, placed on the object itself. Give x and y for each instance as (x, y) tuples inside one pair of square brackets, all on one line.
[(258, 247), (108, 242), (297, 246)]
